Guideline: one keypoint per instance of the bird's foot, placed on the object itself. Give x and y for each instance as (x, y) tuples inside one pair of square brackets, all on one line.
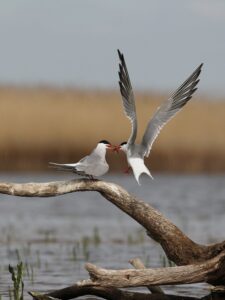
[(80, 173), (83, 174), (127, 171), (91, 177)]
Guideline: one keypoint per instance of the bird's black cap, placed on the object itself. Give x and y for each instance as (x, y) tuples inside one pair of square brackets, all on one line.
[(123, 143), (104, 142)]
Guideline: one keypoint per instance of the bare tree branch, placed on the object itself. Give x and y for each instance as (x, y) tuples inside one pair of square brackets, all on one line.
[(138, 264), (198, 263), (105, 283), (76, 291), (177, 246), (209, 271)]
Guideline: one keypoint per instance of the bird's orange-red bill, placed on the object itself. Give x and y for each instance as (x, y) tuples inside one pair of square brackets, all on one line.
[(117, 149), (114, 148)]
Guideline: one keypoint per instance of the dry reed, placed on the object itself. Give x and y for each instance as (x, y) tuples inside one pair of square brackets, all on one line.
[(46, 124)]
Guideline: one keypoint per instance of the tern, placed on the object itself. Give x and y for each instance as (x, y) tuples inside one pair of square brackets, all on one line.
[(91, 166), (137, 152)]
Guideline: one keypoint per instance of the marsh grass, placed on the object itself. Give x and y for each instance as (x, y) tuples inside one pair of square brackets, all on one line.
[(39, 125), (17, 279), (137, 237)]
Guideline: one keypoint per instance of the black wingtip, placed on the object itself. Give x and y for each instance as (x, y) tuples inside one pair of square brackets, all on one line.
[(121, 57), (199, 68), (196, 82), (194, 90)]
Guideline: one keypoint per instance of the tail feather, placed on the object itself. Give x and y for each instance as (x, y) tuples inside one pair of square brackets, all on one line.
[(62, 167), (139, 168), (69, 167)]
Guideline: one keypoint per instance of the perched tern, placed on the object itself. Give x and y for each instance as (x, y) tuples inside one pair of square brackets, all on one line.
[(137, 152), (90, 166)]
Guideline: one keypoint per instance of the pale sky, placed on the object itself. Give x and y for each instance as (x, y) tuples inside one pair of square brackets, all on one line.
[(74, 42)]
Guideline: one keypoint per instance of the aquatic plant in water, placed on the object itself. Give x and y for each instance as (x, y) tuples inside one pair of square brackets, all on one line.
[(17, 278)]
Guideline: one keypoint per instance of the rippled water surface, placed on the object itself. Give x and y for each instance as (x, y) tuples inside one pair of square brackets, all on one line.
[(54, 237)]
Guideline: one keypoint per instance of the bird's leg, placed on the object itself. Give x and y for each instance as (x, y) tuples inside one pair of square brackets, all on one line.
[(90, 177), (127, 171), (80, 173)]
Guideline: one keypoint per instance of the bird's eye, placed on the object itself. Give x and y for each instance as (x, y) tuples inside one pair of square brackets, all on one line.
[(104, 142), (124, 143)]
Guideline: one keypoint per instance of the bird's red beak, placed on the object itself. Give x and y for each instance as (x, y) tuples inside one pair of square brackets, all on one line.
[(109, 146), (113, 148), (117, 149)]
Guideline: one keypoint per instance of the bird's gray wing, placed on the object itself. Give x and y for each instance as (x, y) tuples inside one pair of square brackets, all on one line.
[(84, 159), (67, 167), (127, 97), (169, 108)]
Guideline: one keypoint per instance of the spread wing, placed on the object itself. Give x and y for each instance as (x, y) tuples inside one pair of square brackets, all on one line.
[(127, 97), (169, 108)]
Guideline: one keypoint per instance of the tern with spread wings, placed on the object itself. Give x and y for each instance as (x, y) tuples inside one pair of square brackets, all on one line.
[(90, 166), (137, 152)]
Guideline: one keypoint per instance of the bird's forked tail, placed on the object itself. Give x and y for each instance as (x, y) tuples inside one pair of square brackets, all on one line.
[(138, 167), (62, 167)]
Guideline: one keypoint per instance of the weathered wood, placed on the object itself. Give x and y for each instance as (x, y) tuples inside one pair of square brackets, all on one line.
[(75, 291), (177, 246), (102, 281), (198, 263), (209, 271), (138, 264)]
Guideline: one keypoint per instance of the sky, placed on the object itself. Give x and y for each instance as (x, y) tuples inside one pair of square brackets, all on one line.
[(74, 42)]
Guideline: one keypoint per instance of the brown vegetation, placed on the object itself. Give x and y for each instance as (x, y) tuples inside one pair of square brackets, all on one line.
[(44, 124)]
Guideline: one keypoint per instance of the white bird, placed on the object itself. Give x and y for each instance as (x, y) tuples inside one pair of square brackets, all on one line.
[(90, 166), (137, 152)]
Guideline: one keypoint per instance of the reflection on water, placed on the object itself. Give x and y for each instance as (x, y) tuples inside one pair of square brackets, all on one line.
[(54, 237)]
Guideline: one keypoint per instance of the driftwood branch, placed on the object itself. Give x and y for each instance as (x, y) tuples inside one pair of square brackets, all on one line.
[(111, 293), (177, 246), (76, 291), (196, 263), (209, 271), (138, 264)]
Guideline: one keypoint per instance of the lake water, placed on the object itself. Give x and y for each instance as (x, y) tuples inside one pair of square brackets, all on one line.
[(54, 237)]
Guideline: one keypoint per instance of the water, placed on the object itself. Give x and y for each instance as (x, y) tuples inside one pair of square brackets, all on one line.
[(56, 236)]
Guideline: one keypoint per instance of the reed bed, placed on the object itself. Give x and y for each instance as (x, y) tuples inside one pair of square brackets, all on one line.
[(45, 124)]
